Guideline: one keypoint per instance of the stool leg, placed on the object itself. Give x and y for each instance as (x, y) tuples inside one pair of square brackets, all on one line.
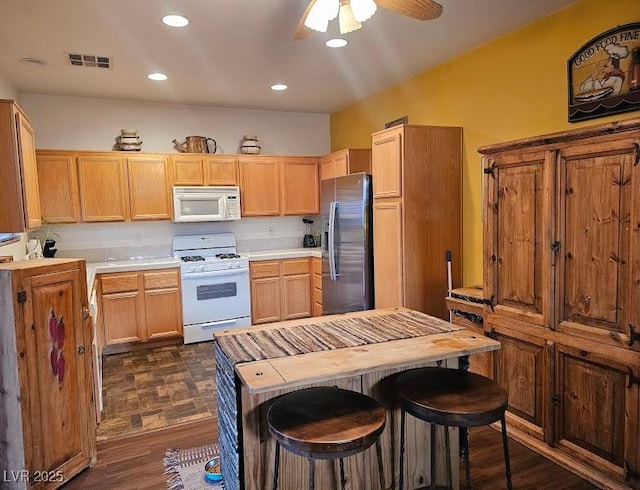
[(505, 445), (402, 422), (276, 466), (343, 480), (447, 454), (433, 456), (380, 469), (312, 473), (465, 455)]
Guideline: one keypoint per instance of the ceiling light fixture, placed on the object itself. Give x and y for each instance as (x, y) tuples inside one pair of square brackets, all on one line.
[(157, 76), (279, 86), (336, 43), (34, 61), (175, 20), (350, 13)]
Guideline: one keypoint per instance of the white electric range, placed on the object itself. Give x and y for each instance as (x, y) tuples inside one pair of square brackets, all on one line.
[(215, 284)]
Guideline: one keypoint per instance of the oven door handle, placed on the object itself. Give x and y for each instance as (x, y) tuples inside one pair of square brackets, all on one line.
[(220, 323), (203, 275)]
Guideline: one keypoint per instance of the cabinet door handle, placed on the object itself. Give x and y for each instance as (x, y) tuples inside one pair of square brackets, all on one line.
[(85, 312), (81, 349)]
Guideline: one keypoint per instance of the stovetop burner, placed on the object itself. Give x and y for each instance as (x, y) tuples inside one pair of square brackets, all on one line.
[(227, 256), (192, 258)]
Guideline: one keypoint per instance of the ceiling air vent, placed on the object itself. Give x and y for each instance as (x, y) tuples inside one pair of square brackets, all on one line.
[(89, 60)]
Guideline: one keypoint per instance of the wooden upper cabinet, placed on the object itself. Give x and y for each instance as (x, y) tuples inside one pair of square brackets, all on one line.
[(517, 244), (204, 169), (386, 163), (27, 146), (19, 199), (103, 187), (188, 169), (259, 186), (221, 170), (149, 187), (58, 185), (597, 204), (300, 186), (344, 162)]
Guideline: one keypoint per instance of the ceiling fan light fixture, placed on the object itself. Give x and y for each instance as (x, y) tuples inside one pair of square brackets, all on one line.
[(347, 22), (363, 9), (321, 13)]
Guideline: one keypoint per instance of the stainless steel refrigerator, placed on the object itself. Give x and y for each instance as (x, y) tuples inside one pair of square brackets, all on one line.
[(347, 244)]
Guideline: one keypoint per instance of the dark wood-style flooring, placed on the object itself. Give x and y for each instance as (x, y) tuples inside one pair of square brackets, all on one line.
[(136, 463)]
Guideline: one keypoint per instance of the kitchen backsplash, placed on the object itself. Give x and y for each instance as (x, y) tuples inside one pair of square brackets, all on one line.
[(97, 242)]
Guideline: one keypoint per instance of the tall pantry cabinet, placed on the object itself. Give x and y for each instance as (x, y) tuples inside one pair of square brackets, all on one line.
[(562, 275), (47, 419), (417, 215)]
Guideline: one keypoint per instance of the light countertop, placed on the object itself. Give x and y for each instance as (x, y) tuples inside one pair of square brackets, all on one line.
[(287, 253)]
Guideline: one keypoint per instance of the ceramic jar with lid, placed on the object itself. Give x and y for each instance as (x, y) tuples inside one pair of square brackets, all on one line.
[(129, 140)]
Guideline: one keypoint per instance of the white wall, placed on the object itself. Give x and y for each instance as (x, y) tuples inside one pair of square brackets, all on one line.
[(16, 249), (93, 124), (7, 90)]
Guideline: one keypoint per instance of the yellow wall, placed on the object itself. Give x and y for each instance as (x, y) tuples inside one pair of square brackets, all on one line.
[(513, 87)]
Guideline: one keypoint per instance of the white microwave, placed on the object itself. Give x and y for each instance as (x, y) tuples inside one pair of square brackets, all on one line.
[(205, 203)]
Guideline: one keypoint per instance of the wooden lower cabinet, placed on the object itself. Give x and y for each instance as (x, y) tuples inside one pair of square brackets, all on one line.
[(47, 418), (596, 410), (139, 306), (280, 290)]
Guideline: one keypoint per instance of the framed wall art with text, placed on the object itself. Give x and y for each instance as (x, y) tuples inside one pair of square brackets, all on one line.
[(604, 74)]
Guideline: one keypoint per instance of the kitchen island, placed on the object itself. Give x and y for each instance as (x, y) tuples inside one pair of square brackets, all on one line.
[(361, 351)]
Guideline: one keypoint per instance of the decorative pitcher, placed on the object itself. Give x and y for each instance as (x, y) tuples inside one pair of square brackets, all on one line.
[(196, 144)]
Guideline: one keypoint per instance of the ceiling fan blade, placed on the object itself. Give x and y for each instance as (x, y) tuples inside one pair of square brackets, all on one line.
[(303, 31), (418, 9)]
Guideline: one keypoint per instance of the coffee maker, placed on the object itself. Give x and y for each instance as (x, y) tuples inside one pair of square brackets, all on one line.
[(308, 240)]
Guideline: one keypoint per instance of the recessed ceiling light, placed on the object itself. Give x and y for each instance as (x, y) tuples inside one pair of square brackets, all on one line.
[(34, 61), (336, 43), (157, 76), (279, 86), (175, 20)]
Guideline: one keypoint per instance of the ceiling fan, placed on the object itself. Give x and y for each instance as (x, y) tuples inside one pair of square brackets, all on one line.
[(351, 13)]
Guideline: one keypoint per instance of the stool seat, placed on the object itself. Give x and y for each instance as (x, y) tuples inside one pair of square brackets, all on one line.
[(451, 397), (326, 422)]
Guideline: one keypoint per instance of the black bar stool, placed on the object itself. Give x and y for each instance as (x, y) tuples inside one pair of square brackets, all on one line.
[(451, 398), (325, 423)]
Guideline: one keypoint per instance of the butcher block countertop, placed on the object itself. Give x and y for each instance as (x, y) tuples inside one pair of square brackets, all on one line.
[(357, 343)]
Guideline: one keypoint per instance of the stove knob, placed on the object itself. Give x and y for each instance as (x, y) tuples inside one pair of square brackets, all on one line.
[(201, 268), (192, 268)]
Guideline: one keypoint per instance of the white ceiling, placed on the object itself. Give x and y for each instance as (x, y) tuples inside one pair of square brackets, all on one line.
[(234, 50)]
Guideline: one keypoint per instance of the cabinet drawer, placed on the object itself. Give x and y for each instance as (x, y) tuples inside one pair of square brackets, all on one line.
[(317, 281), (269, 268), (119, 283), (317, 309), (295, 266), (317, 266), (317, 295), (162, 279)]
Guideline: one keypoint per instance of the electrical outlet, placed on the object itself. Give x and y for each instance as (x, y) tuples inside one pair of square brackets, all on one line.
[(271, 231), (138, 237)]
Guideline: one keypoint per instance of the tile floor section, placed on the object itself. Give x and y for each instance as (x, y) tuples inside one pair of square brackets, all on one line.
[(157, 388)]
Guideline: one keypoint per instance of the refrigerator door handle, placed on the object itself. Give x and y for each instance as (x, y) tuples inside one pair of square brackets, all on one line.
[(332, 248)]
